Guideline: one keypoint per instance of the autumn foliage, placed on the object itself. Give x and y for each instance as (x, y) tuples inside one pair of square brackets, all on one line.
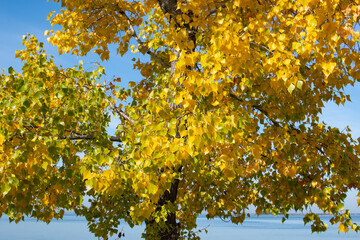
[(225, 116)]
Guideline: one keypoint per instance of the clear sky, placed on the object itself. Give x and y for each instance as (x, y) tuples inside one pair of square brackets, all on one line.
[(19, 17)]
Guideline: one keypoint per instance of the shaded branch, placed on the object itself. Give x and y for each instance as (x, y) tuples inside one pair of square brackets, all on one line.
[(259, 108), (321, 147), (173, 64), (169, 6), (141, 43), (220, 5), (75, 135), (88, 137), (121, 113)]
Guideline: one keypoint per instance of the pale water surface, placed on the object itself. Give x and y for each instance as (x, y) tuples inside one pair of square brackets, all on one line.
[(254, 228)]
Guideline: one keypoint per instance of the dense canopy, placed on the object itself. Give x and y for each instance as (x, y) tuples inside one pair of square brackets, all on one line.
[(226, 115)]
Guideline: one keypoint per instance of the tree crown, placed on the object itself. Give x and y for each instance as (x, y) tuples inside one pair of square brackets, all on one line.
[(225, 116)]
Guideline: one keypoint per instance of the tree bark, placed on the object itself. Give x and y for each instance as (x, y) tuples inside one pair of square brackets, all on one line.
[(171, 229)]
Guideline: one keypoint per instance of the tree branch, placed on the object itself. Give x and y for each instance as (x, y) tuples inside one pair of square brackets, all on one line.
[(88, 137), (259, 108), (76, 135), (141, 43), (169, 6), (121, 113), (222, 4), (319, 146)]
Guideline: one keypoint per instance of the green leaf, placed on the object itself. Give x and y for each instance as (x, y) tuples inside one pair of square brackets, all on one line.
[(299, 84), (5, 188), (11, 70), (14, 181)]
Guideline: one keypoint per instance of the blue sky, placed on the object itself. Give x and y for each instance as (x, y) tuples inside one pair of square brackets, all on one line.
[(19, 17)]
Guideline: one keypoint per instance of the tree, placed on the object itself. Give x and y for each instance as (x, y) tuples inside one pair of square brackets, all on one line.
[(226, 115)]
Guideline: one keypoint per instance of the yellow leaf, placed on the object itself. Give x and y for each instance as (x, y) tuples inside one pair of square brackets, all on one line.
[(189, 150), (1, 141), (292, 171), (354, 226), (152, 188), (343, 228), (291, 88), (2, 138), (229, 174), (132, 84), (44, 165), (215, 103), (328, 68), (311, 20), (87, 174), (173, 57), (256, 151)]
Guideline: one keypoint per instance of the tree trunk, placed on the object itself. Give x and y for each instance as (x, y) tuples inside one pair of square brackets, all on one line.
[(169, 230)]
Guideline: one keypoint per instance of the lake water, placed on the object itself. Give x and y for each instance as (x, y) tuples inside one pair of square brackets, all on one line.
[(254, 228)]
